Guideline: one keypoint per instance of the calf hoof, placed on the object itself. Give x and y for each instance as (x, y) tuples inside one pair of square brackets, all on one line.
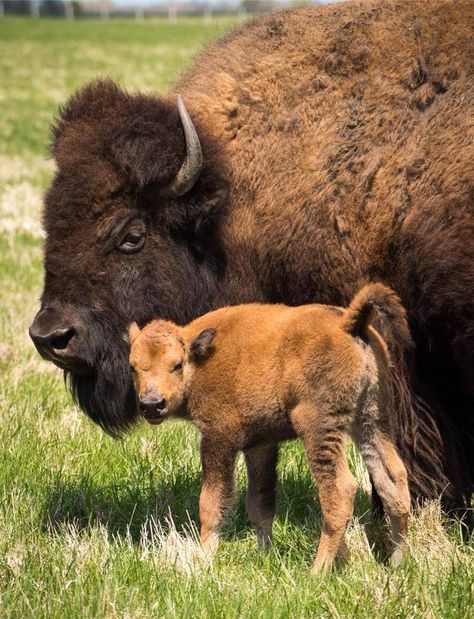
[(209, 545), (322, 566), (264, 541), (399, 555)]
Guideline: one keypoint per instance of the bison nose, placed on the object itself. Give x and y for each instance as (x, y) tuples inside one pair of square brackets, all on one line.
[(56, 340), (148, 403), (54, 337)]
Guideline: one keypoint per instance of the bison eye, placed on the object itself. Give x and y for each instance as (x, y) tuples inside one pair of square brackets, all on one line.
[(178, 367), (132, 242)]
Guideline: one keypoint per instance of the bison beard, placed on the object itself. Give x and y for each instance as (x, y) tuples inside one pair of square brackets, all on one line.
[(107, 395)]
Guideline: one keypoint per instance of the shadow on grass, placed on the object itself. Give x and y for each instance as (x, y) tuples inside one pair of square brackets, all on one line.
[(123, 508), (126, 508)]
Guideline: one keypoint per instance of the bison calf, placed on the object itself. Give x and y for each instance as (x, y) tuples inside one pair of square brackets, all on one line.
[(253, 375)]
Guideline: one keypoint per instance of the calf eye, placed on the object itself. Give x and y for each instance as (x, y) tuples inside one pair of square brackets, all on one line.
[(178, 367), (132, 242), (132, 369)]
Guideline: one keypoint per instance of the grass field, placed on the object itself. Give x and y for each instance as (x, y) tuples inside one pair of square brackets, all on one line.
[(90, 527)]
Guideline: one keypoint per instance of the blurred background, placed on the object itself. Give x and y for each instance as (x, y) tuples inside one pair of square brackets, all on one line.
[(140, 9)]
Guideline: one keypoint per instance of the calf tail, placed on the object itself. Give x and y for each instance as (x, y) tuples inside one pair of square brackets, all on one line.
[(387, 304)]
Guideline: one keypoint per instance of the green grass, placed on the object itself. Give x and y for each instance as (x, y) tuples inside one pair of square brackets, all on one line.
[(94, 528)]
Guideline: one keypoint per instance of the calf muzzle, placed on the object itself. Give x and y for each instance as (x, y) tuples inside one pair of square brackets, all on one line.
[(153, 407)]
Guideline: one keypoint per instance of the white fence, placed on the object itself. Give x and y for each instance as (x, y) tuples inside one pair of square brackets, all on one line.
[(173, 9)]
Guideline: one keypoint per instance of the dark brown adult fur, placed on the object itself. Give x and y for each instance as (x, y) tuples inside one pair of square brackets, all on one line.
[(338, 145), (250, 376)]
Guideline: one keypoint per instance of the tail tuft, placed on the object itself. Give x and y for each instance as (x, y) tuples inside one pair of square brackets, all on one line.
[(386, 302)]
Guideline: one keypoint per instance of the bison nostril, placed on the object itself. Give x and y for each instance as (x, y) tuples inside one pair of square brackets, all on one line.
[(59, 339)]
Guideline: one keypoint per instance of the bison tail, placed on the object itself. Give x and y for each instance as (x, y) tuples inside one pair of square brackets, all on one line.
[(388, 306)]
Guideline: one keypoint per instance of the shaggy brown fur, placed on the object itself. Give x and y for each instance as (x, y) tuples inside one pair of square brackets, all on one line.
[(338, 144), (250, 376)]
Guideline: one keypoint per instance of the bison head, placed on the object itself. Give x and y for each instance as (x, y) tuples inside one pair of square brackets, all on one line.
[(129, 221)]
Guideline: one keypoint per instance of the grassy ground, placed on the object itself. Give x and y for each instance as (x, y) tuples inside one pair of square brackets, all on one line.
[(94, 528)]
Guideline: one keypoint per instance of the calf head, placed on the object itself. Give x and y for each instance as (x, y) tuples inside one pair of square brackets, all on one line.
[(163, 364)]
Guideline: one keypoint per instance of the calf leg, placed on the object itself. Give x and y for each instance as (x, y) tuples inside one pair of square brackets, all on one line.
[(337, 488), (389, 476), (218, 462), (325, 449), (261, 464)]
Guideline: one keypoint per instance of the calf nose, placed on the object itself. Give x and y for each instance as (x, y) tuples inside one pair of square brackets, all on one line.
[(152, 403)]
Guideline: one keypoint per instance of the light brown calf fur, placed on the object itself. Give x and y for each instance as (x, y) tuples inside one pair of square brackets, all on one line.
[(253, 375)]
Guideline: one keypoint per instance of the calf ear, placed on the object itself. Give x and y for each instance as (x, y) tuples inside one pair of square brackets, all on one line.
[(201, 345), (133, 331)]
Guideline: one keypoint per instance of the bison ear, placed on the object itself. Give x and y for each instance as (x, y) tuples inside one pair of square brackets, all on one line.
[(145, 154), (133, 332), (150, 148), (94, 100), (200, 347)]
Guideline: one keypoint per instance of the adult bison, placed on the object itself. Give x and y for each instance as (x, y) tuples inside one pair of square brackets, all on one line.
[(328, 147)]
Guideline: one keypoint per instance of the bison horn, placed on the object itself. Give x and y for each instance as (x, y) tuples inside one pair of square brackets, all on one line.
[(192, 164)]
